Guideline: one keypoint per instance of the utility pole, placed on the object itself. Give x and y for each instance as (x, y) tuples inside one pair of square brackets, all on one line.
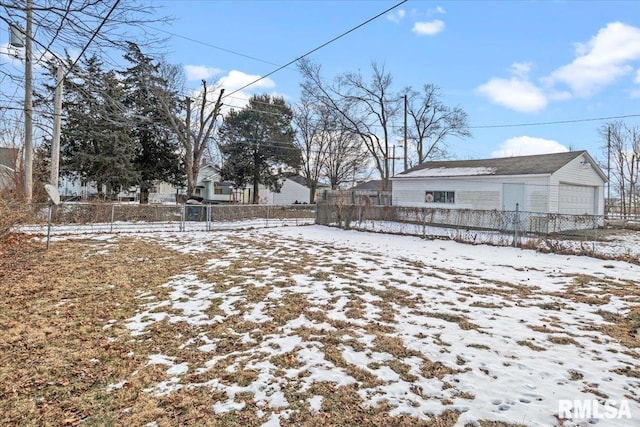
[(393, 165), (55, 142), (406, 163), (28, 107), (608, 203)]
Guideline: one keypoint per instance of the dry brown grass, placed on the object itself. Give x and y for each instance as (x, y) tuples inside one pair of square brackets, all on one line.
[(56, 358), (531, 345)]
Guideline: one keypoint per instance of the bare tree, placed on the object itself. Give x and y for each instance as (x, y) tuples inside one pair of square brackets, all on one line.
[(430, 122), (367, 107), (86, 26), (311, 125), (622, 146), (346, 158), (194, 121)]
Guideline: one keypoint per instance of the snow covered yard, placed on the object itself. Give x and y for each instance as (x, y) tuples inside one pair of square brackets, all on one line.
[(319, 326)]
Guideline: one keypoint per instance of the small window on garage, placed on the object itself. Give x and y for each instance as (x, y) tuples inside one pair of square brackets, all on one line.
[(440, 197)]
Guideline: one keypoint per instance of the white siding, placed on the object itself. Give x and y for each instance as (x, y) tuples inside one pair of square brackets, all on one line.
[(165, 193), (477, 192), (290, 193), (577, 199), (577, 174)]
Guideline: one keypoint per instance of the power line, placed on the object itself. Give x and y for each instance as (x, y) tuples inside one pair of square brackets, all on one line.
[(211, 45), (93, 36), (558, 122), (317, 48)]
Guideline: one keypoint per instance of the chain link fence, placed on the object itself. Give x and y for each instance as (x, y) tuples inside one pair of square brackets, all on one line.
[(114, 217), (456, 223)]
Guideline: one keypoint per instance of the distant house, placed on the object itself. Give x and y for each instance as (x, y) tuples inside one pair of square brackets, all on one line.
[(9, 158), (565, 183), (211, 188), (294, 190), (372, 185)]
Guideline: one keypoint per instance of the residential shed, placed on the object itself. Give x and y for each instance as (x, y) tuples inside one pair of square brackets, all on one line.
[(294, 190), (563, 183)]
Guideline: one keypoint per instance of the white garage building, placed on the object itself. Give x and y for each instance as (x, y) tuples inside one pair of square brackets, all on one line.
[(562, 183)]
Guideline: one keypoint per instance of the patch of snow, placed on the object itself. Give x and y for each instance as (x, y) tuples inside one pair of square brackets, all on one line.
[(438, 172), (315, 403)]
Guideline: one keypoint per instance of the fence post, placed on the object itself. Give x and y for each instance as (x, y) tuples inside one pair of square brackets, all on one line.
[(208, 214), (49, 223), (182, 212), (515, 226), (113, 214)]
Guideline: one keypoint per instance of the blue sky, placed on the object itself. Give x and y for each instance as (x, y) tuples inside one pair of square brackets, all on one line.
[(503, 62)]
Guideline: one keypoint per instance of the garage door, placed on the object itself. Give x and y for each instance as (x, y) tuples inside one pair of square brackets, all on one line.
[(577, 199)]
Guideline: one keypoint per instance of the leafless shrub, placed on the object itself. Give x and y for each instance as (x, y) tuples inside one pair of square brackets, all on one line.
[(11, 214)]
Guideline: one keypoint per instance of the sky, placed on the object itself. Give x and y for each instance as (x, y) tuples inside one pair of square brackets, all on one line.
[(533, 76), (503, 62)]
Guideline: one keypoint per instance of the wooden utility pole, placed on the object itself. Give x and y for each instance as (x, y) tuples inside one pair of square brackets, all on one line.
[(406, 163), (608, 203), (28, 107), (55, 142)]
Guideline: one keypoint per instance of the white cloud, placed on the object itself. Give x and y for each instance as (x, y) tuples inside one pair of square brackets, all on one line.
[(231, 82), (528, 145), (428, 28), (396, 16), (635, 93), (601, 60), (237, 79), (441, 10), (637, 79), (515, 93), (200, 72), (521, 69)]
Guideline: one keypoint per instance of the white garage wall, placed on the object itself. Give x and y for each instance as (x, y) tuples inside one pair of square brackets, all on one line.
[(577, 199), (476, 192), (578, 174)]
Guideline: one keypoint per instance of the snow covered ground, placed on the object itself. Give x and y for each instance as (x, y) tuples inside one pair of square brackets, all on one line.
[(292, 315)]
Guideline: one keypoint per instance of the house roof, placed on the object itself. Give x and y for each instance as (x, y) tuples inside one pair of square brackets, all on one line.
[(541, 164), (374, 184), (298, 179)]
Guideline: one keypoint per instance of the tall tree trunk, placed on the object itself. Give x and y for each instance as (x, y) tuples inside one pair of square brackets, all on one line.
[(144, 194), (256, 195), (312, 193)]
